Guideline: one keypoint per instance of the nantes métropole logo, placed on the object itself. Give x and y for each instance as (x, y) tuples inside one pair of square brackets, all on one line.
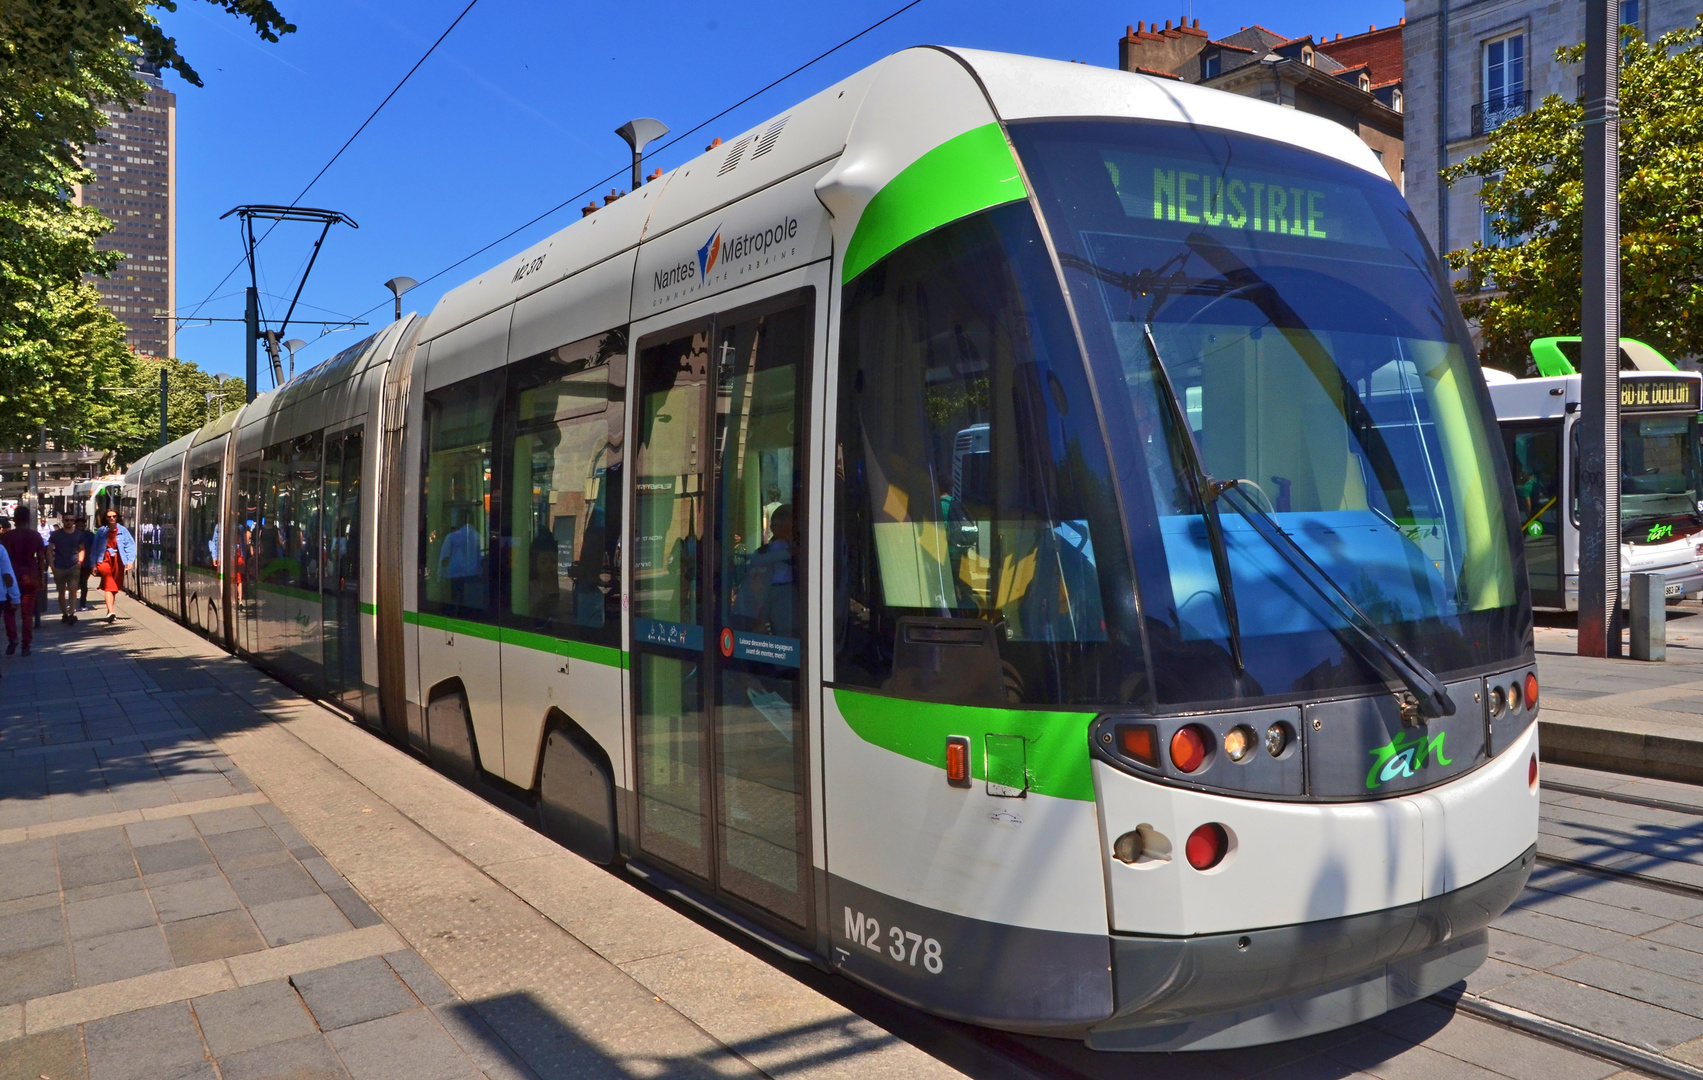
[(708, 254), (1404, 756)]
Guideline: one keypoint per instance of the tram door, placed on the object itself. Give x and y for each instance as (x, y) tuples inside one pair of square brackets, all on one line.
[(1534, 453), (718, 604), (340, 564)]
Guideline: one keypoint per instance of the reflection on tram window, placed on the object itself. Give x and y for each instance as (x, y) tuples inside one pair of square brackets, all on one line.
[(1311, 349), (202, 519), (668, 493), (245, 526), (563, 572), (974, 488), (455, 527), (287, 545), (762, 360)]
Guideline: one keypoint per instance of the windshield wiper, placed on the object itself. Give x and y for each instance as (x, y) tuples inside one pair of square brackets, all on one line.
[(1426, 697)]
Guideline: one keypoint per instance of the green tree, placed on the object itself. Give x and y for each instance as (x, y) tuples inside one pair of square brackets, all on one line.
[(132, 407), (1532, 172), (51, 377), (61, 62)]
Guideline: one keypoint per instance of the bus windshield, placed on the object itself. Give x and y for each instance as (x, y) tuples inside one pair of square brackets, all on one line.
[(1658, 475), (1257, 313)]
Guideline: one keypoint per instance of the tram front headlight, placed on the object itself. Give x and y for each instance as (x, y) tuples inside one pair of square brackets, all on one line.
[(1498, 700), (1513, 696), (1239, 742), (1277, 738)]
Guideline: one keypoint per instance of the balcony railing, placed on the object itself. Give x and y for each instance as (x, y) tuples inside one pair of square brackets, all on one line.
[(1487, 116)]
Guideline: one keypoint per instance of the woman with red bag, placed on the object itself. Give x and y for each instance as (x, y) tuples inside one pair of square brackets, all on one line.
[(115, 552)]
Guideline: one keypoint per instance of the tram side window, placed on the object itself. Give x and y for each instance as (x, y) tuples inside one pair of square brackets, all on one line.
[(288, 543), (564, 473), (973, 485), (456, 511), (203, 518)]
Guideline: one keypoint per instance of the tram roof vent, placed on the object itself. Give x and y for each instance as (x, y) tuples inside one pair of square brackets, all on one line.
[(731, 161), (767, 142)]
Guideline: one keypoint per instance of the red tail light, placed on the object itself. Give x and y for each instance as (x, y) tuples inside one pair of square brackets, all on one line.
[(1207, 846), (1531, 690), (1531, 773), (958, 761), (1140, 742), (1189, 747)]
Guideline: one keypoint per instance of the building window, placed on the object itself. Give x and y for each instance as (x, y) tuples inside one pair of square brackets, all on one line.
[(1395, 100), (1212, 66), (1365, 82), (1307, 57), (1504, 83), (1630, 12)]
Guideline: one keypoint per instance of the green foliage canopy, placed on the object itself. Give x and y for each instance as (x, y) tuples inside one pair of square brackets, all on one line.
[(61, 62), (1527, 286), (193, 398)]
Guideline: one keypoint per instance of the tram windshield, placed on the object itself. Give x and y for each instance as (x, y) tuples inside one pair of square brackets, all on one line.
[(1282, 307)]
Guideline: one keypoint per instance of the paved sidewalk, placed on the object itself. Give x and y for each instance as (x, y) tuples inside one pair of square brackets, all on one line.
[(160, 918), (1625, 715), (204, 875)]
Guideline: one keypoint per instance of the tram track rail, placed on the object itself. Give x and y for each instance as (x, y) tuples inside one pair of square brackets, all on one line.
[(1634, 1058)]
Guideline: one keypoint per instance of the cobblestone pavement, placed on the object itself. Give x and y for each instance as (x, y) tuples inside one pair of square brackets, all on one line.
[(159, 918), (200, 876)]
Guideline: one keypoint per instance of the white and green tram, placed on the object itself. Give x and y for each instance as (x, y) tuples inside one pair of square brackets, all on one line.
[(1030, 538)]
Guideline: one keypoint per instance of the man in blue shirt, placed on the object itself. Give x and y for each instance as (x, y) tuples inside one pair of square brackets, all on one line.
[(65, 549)]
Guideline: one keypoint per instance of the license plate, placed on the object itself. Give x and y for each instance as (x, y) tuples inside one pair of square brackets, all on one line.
[(1675, 589)]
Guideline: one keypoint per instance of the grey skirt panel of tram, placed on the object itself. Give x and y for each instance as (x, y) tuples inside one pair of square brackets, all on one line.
[(1223, 990), (576, 797), (1011, 977), (449, 733)]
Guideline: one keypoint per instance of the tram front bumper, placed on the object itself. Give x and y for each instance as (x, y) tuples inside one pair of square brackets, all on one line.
[(1217, 991)]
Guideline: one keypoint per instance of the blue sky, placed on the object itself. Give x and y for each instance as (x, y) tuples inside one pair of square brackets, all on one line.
[(515, 113)]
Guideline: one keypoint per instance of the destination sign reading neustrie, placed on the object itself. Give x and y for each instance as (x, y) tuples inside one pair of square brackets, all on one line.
[(1248, 200), (1659, 393)]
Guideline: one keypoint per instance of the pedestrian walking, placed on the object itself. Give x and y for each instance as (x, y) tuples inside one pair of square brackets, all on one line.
[(65, 552), (86, 544), (115, 552), (9, 594), (43, 529), (29, 566)]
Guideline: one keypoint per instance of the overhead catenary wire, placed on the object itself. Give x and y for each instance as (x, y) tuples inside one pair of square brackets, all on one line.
[(346, 144), (575, 198)]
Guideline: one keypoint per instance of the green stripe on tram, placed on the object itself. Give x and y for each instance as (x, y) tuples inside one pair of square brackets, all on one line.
[(960, 177), (1055, 743), (544, 643)]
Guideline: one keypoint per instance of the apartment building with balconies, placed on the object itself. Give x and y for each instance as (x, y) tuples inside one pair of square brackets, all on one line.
[(1469, 66)]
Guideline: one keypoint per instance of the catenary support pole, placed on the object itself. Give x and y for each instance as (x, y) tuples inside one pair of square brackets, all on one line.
[(251, 328), (165, 388), (1599, 413)]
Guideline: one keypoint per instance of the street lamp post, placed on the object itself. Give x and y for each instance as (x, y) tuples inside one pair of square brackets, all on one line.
[(639, 134), (398, 286)]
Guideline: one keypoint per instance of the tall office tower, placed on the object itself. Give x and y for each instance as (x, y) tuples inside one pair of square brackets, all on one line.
[(135, 184)]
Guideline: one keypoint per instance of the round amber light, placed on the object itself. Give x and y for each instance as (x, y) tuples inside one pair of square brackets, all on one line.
[(1513, 697), (1240, 742), (1188, 748)]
